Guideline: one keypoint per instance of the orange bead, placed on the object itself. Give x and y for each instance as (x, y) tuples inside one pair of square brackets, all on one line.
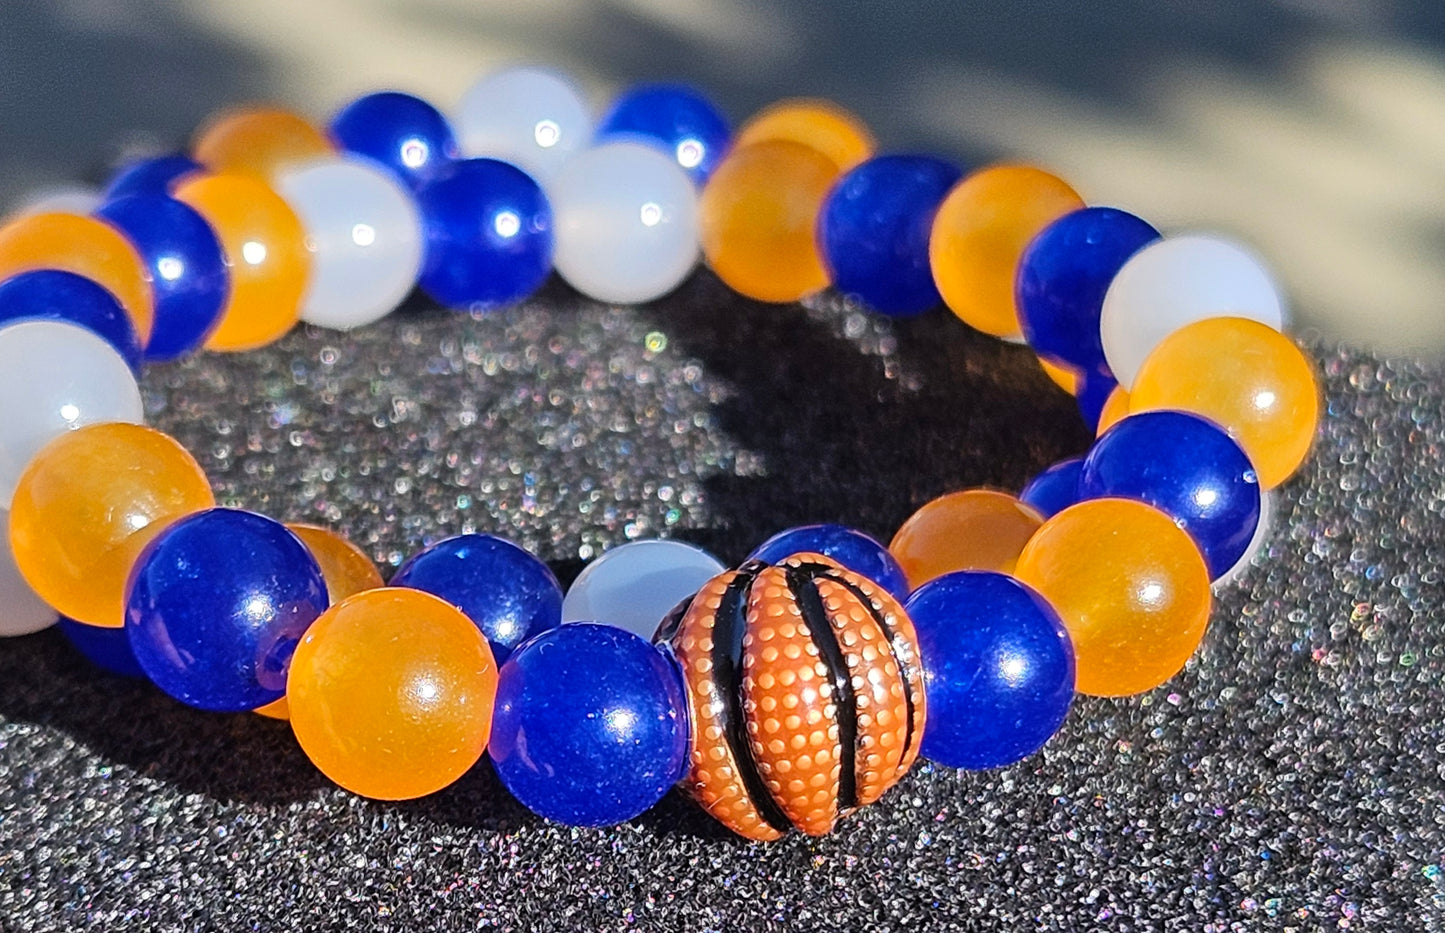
[(87, 247), (391, 693), (976, 529), (1116, 409), (1128, 584), (1244, 376), (88, 503), (1062, 374), (265, 247), (345, 568), (756, 220), (258, 141), (818, 124), (980, 231)]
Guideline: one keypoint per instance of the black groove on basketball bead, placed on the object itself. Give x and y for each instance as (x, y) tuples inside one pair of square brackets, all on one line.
[(820, 629), (729, 626)]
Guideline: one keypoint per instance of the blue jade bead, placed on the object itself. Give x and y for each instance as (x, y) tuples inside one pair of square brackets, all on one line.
[(853, 549), (1062, 278), (154, 175), (106, 648), (675, 118), (998, 668), (590, 726), (1093, 393), (1188, 468), (216, 604), (488, 235), (187, 266), (404, 133), (507, 592), (53, 295), (874, 228), (1055, 489)]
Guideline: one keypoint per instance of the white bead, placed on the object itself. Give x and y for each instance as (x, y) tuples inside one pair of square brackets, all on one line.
[(1177, 281), (1268, 506), (55, 377), (364, 233), (532, 117), (60, 199), (634, 586), (21, 611), (625, 219)]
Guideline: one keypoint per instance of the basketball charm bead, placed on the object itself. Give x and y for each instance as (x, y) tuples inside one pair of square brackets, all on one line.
[(806, 694)]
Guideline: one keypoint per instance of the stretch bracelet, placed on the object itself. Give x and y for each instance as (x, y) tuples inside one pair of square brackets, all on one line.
[(781, 694)]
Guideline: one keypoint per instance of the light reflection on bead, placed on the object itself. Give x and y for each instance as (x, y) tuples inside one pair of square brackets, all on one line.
[(404, 133), (675, 119), (534, 118)]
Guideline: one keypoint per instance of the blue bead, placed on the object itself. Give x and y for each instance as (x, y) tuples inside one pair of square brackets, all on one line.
[(874, 227), (488, 235), (189, 278), (215, 607), (1055, 489), (1062, 278), (50, 294), (507, 592), (590, 726), (402, 132), (1093, 393), (1184, 466), (853, 549), (151, 176), (106, 648), (676, 118), (998, 668)]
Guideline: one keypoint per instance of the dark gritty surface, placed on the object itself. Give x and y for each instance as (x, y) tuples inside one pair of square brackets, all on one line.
[(1289, 778)]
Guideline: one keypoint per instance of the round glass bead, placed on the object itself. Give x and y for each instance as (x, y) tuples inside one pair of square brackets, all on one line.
[(1246, 377), (55, 377), (1061, 374), (107, 648), (61, 199), (1055, 489), (1062, 277), (265, 249), (404, 133), (87, 504), (591, 725), (534, 118), (21, 611), (1187, 468), (258, 141), (509, 594), (391, 693), (820, 125), (635, 585), (52, 295), (975, 529), (874, 230), (626, 223), (488, 235), (187, 269), (364, 235), (979, 234), (674, 118), (216, 604), (1173, 283), (757, 218), (855, 550), (998, 669), (154, 175), (1129, 585)]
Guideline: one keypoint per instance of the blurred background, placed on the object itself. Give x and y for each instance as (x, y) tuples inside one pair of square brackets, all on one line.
[(1313, 129)]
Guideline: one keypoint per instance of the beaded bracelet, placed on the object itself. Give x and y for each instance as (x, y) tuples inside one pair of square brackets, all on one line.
[(784, 693)]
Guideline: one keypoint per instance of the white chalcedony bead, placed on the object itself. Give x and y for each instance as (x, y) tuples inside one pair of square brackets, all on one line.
[(625, 219), (1268, 507), (21, 611), (55, 377), (634, 586), (61, 199), (364, 233), (532, 117), (1177, 281)]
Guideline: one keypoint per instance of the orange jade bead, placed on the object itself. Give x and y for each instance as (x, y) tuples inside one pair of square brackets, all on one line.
[(1245, 376), (265, 248), (975, 529), (980, 232), (818, 124), (84, 246), (258, 141), (391, 693), (1062, 375), (1128, 584), (345, 568), (1116, 409), (88, 503)]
